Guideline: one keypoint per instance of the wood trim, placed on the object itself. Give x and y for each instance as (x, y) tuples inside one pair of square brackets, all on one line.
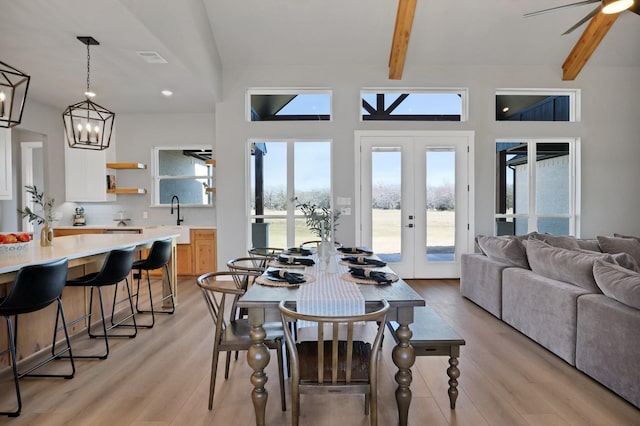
[(401, 35), (587, 44), (210, 162), (127, 191)]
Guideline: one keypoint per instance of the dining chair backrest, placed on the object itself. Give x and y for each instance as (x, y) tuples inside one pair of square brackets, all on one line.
[(262, 255), (334, 365), (35, 287), (246, 264), (215, 296)]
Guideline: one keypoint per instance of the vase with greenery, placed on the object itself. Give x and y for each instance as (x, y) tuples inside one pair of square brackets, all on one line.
[(42, 214), (321, 221)]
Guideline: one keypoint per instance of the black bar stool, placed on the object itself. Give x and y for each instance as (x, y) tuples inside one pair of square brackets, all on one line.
[(34, 288), (159, 256), (116, 268)]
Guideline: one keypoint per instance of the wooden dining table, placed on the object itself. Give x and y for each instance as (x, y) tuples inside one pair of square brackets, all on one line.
[(260, 299)]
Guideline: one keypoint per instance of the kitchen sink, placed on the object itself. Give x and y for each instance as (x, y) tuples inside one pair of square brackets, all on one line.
[(184, 231)]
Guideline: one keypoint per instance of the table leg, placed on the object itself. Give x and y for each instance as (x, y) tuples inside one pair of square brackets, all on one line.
[(404, 357), (258, 358), (453, 372)]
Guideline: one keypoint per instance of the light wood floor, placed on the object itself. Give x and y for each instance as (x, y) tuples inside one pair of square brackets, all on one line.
[(161, 378)]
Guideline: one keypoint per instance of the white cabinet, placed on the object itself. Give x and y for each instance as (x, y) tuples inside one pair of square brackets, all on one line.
[(86, 173), (5, 165)]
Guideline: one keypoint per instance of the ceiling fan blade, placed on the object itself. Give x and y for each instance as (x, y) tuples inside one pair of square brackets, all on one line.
[(593, 13), (553, 9)]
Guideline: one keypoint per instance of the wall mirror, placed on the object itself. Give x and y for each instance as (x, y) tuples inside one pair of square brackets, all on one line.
[(184, 171)]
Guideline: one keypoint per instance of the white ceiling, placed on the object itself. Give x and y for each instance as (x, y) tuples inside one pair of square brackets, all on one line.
[(199, 38)]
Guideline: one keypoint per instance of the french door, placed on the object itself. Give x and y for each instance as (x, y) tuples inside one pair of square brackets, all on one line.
[(415, 199)]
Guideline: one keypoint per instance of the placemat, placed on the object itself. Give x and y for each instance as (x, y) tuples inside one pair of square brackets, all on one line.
[(348, 277), (277, 264), (264, 280)]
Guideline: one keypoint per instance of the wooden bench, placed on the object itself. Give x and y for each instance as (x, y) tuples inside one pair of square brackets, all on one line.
[(434, 337)]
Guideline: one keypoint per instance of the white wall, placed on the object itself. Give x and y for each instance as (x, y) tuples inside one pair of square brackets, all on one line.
[(609, 130)]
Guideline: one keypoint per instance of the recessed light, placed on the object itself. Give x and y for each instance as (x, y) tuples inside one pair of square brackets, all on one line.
[(505, 109), (167, 93), (151, 57)]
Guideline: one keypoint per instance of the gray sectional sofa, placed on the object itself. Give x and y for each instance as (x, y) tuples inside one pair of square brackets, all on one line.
[(578, 301)]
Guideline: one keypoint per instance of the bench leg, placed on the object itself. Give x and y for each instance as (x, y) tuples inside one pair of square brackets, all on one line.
[(453, 372)]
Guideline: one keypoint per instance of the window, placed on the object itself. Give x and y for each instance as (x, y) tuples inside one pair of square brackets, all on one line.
[(183, 171), (288, 105), (537, 187), (537, 105), (285, 173), (414, 105)]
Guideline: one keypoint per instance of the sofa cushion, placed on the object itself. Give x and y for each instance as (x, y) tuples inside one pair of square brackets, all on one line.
[(571, 266), (618, 282), (620, 245), (590, 244), (561, 241), (504, 250)]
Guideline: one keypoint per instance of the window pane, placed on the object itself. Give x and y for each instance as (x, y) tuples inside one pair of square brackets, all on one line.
[(189, 191), (290, 106), (553, 225), (552, 178), (173, 162), (512, 226), (268, 177), (386, 225), (441, 209), (312, 173), (512, 178), (269, 233), (533, 107), (421, 106)]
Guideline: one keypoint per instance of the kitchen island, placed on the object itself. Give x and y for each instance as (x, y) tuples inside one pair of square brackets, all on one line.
[(86, 254)]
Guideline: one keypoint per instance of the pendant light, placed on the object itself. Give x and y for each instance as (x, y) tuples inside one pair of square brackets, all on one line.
[(88, 125), (13, 92), (615, 6)]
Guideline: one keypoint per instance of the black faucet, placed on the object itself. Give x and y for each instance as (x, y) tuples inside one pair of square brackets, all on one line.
[(178, 220)]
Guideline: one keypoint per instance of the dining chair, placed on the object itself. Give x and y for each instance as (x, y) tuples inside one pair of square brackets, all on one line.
[(230, 333), (337, 364), (262, 255), (116, 268), (34, 288)]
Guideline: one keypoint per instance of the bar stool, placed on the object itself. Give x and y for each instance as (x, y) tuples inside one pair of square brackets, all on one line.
[(34, 288), (159, 256), (116, 268)]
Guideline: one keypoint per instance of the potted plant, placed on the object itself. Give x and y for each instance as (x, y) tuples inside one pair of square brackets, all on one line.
[(45, 217)]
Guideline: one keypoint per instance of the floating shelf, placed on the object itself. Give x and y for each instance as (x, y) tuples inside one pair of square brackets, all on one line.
[(126, 166), (127, 191), (210, 162), (211, 190)]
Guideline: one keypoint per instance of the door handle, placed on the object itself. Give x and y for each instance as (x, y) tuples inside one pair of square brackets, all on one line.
[(409, 225)]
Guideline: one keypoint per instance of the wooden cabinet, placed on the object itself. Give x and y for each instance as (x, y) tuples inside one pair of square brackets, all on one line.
[(75, 231), (204, 246), (5, 165), (185, 260)]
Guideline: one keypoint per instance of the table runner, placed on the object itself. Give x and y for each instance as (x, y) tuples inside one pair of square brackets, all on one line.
[(328, 295)]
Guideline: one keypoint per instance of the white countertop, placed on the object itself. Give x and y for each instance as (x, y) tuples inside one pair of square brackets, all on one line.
[(78, 246), (130, 227)]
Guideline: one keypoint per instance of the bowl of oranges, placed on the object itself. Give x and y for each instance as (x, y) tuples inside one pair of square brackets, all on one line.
[(15, 242)]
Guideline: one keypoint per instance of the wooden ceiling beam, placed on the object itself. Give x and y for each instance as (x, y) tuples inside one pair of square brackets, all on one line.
[(401, 34), (587, 44)]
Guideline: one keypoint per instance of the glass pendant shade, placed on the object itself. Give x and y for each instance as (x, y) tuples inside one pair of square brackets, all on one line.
[(88, 125), (13, 92)]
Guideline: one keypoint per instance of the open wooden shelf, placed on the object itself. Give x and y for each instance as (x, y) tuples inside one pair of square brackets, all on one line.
[(127, 191), (126, 166), (210, 162), (211, 190)]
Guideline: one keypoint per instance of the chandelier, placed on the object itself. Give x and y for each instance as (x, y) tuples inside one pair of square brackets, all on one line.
[(13, 92), (88, 125)]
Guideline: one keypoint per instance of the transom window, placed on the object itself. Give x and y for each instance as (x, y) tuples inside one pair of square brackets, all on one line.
[(537, 105), (414, 104), (288, 105)]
